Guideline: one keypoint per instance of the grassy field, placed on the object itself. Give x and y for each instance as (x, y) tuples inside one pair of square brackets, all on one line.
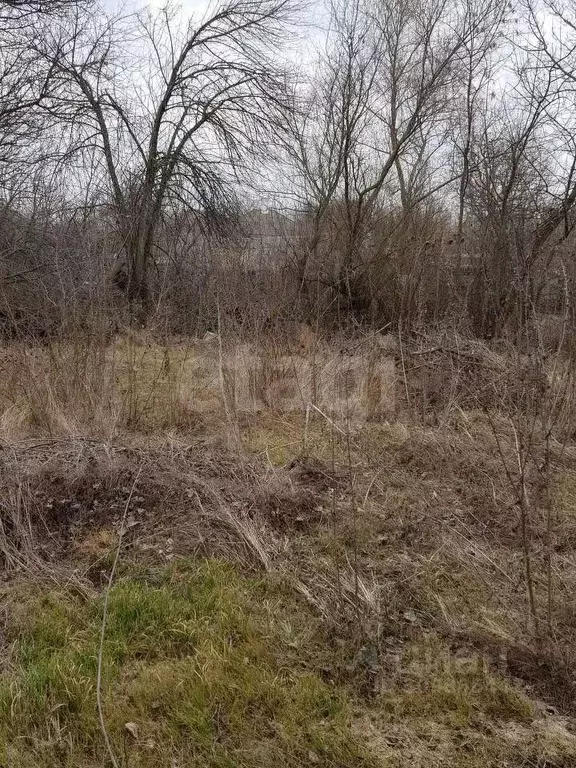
[(316, 563)]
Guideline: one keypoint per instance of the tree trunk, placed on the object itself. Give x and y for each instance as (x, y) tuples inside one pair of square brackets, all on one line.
[(139, 255)]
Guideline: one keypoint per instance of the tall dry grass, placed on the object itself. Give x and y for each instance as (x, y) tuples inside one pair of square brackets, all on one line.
[(87, 384)]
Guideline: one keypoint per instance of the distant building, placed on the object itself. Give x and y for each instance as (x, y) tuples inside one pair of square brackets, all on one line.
[(266, 238)]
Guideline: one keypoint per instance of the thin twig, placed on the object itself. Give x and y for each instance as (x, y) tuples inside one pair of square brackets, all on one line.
[(107, 741)]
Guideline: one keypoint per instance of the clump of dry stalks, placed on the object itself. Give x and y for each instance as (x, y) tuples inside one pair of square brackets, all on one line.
[(92, 385)]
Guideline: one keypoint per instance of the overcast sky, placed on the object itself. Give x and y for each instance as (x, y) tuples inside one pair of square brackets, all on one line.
[(302, 50)]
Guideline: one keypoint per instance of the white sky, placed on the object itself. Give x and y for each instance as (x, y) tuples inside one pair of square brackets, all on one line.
[(301, 51)]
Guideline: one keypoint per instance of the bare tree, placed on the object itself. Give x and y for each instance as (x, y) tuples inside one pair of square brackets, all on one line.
[(24, 76), (383, 112), (477, 76), (521, 190), (175, 123), (328, 151)]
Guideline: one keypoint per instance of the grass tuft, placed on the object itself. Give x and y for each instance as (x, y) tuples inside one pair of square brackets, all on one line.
[(201, 674)]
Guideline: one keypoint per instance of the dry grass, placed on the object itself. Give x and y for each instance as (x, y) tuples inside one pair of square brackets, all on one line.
[(391, 546), (87, 387)]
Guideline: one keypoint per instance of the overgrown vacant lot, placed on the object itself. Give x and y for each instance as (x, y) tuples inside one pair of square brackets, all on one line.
[(335, 577)]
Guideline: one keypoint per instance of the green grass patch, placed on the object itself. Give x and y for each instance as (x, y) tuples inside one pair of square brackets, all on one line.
[(201, 659), (435, 685)]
